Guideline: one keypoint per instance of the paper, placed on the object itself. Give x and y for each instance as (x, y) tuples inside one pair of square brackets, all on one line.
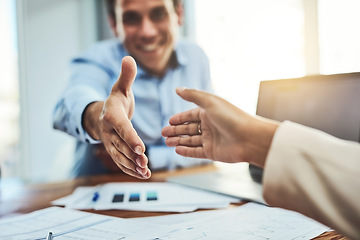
[(72, 224), (164, 197), (249, 221), (81, 198)]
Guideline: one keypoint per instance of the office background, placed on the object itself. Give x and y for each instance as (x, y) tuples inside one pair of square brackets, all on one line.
[(246, 41)]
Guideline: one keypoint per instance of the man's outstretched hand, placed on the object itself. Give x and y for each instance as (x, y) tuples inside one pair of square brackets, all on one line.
[(109, 122)]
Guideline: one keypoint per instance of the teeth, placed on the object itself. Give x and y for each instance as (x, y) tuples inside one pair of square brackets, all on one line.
[(150, 47)]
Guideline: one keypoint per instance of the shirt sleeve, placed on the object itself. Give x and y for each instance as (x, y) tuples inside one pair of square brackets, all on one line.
[(88, 83), (316, 174)]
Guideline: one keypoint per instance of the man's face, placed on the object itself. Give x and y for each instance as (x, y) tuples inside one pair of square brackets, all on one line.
[(148, 29)]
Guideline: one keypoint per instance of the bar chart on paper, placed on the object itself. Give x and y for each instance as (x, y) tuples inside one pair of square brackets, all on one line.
[(135, 196), (158, 197)]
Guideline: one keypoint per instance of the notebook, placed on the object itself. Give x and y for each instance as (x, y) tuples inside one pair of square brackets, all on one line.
[(326, 102)]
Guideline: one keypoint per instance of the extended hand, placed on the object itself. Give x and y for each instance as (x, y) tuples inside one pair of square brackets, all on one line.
[(218, 130), (113, 126)]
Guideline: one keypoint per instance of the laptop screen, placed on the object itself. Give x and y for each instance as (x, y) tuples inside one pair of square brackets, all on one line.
[(330, 103)]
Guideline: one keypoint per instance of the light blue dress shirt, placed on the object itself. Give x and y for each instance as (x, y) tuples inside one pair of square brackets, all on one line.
[(91, 78)]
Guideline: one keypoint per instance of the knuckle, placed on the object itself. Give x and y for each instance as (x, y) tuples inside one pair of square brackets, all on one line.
[(117, 144), (187, 127), (176, 130), (106, 116), (120, 131), (193, 113)]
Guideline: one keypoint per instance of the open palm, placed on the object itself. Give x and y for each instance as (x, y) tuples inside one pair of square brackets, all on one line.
[(227, 133)]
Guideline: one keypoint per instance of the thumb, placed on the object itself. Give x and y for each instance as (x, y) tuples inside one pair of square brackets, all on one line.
[(127, 75), (200, 98)]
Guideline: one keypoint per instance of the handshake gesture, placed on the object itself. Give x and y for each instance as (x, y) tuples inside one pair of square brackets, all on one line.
[(216, 130)]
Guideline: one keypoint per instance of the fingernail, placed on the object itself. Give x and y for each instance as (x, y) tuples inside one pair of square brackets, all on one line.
[(138, 150), (181, 88), (139, 171), (148, 173), (138, 162)]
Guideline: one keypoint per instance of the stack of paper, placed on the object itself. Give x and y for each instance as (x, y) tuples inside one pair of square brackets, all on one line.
[(250, 221), (72, 224), (158, 197)]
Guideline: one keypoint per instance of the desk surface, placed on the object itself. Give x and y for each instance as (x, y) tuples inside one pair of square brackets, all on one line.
[(20, 199)]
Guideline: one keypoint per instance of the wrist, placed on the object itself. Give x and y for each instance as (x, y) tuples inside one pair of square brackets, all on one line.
[(263, 135), (90, 119)]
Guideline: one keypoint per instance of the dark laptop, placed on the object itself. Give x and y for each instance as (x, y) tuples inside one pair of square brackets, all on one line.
[(330, 103)]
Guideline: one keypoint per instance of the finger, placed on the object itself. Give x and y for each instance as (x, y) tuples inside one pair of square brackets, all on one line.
[(121, 160), (127, 75), (200, 98), (192, 115), (132, 170), (147, 174), (127, 133), (194, 152), (135, 174), (192, 141), (122, 147), (184, 129)]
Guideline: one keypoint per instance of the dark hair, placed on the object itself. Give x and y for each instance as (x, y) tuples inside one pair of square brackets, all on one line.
[(110, 6)]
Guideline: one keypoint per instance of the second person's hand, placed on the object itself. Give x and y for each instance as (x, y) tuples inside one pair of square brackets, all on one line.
[(218, 130)]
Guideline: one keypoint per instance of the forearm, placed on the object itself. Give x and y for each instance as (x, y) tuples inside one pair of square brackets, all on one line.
[(315, 174), (87, 84), (68, 114)]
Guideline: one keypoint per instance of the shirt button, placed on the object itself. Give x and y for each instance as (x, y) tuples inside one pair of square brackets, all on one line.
[(87, 140), (77, 131)]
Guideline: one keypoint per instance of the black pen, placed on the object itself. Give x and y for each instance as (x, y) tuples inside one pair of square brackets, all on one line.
[(49, 236)]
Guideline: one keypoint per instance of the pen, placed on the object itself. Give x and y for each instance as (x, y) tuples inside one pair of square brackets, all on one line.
[(96, 196), (49, 236)]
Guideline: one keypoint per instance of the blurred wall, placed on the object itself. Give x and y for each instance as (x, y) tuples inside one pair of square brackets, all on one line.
[(49, 34)]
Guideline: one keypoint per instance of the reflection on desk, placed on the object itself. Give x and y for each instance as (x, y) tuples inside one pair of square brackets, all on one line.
[(22, 199)]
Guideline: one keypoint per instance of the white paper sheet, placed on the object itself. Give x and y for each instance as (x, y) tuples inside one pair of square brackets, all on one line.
[(250, 221), (169, 198), (72, 224), (81, 198)]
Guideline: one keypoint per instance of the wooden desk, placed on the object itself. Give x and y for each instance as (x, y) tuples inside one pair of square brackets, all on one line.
[(21, 199)]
